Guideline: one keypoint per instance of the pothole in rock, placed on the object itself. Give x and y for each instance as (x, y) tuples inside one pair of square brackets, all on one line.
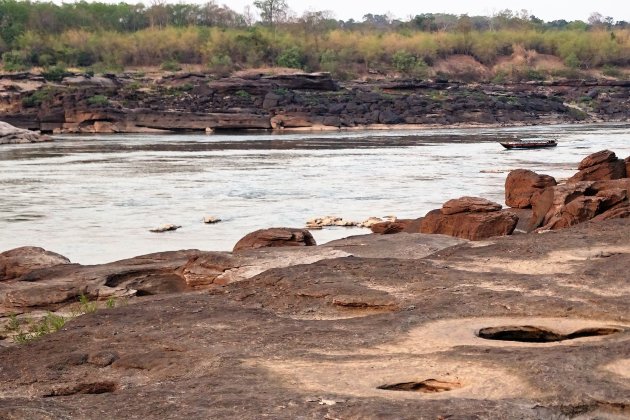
[(84, 388), (531, 334), (428, 386)]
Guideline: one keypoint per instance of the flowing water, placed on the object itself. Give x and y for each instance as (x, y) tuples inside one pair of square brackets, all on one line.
[(93, 198)]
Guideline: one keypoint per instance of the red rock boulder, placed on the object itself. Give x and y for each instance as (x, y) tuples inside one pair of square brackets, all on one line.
[(566, 205), (275, 237), (469, 205), (603, 165), (20, 261), (549, 203), (471, 218), (522, 184), (400, 225)]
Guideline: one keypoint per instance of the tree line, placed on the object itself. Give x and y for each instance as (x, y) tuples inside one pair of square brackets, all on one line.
[(103, 35)]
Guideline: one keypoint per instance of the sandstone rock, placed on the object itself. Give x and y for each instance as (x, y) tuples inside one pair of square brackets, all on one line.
[(385, 228), (542, 201), (621, 211), (172, 120), (44, 295), (602, 165), (396, 226), (320, 222), (597, 158), (165, 228), (627, 163), (291, 121), (521, 185), (603, 171), (613, 196), (19, 261), (275, 237), (371, 221), (99, 81), (207, 269), (577, 211), (469, 204), (13, 135), (569, 204), (473, 225), (555, 198), (210, 220), (103, 358)]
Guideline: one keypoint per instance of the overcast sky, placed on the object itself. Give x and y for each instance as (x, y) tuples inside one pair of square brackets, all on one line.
[(543, 9)]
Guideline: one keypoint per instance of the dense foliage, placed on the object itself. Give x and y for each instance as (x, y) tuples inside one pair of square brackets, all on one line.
[(113, 36)]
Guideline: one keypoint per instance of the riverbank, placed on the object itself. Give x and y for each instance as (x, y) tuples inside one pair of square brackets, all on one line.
[(490, 329), (198, 102)]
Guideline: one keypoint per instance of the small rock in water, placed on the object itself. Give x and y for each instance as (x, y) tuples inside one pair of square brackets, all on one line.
[(320, 222), (211, 220), (371, 221), (165, 228)]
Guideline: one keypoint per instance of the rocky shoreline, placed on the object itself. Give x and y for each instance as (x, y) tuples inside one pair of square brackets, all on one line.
[(399, 324), (197, 102)]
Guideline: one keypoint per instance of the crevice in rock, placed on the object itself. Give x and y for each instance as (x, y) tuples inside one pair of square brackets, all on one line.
[(84, 388), (531, 334), (428, 386)]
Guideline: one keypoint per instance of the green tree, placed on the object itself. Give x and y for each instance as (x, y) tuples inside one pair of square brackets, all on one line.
[(272, 11)]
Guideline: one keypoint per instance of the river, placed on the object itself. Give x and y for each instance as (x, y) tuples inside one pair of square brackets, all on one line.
[(93, 198)]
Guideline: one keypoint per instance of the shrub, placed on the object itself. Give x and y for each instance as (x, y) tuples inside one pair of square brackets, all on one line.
[(292, 58), (55, 73), (14, 61), (242, 94), (98, 100), (171, 65), (35, 329), (221, 64), (85, 306), (409, 64), (611, 71), (36, 98)]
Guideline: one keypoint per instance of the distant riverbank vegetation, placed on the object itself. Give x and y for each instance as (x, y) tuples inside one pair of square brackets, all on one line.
[(112, 37)]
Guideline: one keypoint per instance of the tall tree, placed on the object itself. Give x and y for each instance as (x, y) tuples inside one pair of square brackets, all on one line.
[(272, 11)]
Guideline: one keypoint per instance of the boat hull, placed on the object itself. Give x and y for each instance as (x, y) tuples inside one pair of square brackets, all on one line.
[(530, 145)]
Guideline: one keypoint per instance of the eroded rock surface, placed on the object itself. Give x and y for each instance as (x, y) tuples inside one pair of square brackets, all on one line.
[(13, 135), (275, 237), (473, 218), (19, 261), (522, 184), (356, 337), (600, 166)]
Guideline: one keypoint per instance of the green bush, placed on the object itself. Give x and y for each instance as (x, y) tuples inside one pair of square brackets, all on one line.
[(243, 94), (36, 98), (611, 71), (171, 65), (221, 64), (35, 329), (410, 65), (14, 61), (292, 57), (98, 100), (55, 73)]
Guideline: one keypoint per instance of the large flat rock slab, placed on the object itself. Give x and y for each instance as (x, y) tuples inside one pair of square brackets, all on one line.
[(470, 331)]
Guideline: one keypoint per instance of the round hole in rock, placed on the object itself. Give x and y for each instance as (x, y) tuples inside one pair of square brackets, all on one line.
[(531, 334), (428, 386)]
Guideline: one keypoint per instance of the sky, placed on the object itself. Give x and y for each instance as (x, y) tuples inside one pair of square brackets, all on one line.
[(544, 9)]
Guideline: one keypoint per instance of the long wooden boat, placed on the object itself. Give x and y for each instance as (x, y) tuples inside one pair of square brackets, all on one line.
[(528, 144)]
